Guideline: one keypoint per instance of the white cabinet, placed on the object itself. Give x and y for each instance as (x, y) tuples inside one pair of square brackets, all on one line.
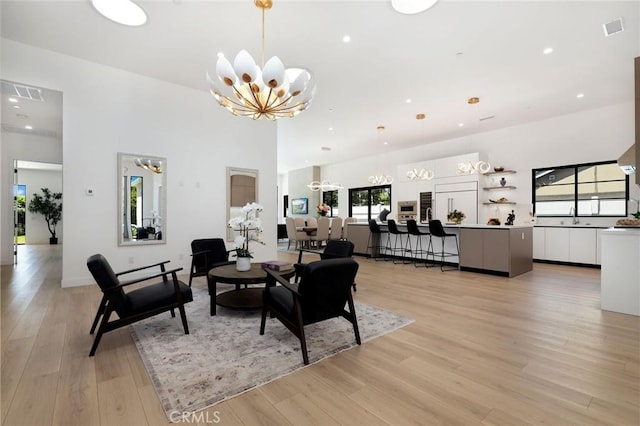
[(567, 244), (556, 244), (538, 243), (582, 245)]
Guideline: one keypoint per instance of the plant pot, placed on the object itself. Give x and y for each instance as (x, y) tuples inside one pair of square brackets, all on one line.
[(53, 240), (243, 264)]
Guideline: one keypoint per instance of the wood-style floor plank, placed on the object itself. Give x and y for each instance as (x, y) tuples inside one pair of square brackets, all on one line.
[(483, 350)]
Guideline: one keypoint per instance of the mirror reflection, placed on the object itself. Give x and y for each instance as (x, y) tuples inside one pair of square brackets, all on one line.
[(242, 188), (141, 199)]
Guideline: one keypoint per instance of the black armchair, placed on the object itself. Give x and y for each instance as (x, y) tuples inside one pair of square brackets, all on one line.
[(334, 249), (138, 304), (323, 292), (207, 253)]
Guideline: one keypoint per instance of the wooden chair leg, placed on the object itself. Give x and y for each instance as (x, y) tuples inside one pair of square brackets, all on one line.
[(301, 336), (352, 310), (183, 315), (101, 330), (103, 304)]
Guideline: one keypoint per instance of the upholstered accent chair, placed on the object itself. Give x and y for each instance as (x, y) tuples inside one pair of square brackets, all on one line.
[(142, 302), (323, 293), (207, 253)]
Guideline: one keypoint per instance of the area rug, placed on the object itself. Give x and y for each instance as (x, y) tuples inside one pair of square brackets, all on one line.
[(225, 355)]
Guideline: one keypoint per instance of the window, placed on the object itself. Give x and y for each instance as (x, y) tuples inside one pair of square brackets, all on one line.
[(594, 189), (367, 203), (330, 198)]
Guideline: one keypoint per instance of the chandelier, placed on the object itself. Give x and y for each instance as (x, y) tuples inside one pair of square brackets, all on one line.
[(270, 91), (325, 185)]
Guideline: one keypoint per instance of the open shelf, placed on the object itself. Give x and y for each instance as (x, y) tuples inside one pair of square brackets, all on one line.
[(504, 172), (490, 188)]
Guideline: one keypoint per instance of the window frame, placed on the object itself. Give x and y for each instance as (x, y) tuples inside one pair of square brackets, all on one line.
[(576, 194), (369, 189), (333, 199)]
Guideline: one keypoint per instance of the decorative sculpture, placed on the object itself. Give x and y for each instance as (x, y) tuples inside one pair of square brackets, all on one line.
[(510, 218)]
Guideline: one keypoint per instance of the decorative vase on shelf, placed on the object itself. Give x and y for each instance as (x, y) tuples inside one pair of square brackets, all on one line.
[(503, 182), (243, 264)]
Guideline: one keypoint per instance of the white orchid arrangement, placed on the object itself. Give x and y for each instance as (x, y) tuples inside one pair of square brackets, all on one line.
[(250, 227)]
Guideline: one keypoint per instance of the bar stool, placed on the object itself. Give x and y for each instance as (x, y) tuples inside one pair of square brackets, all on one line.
[(393, 230), (375, 240), (412, 228), (436, 230)]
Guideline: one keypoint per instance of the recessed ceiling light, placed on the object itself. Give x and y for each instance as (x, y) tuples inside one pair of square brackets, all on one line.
[(28, 127), (330, 128), (17, 106), (580, 95), (386, 143), (547, 50), (346, 38), (411, 7), (13, 100), (124, 12), (460, 124), (408, 100)]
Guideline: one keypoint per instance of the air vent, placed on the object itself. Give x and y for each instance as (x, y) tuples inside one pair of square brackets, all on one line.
[(613, 27), (489, 117), (22, 91), (37, 132)]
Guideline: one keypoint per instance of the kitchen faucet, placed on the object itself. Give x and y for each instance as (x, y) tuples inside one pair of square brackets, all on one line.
[(429, 213), (572, 212)]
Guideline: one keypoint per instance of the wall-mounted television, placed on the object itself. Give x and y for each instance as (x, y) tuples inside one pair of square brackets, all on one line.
[(299, 205)]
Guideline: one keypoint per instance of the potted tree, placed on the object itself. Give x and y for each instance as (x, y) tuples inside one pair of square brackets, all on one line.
[(50, 206)]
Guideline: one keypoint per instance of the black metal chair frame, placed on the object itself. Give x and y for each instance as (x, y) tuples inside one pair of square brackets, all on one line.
[(437, 231), (404, 248), (374, 229), (112, 295), (296, 326), (418, 251)]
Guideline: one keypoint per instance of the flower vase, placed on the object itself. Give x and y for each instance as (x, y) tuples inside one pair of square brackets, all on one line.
[(243, 264)]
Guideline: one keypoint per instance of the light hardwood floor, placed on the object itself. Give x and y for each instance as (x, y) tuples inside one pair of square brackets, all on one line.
[(483, 350)]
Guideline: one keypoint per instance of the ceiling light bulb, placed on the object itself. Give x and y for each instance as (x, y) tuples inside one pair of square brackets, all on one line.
[(17, 106), (346, 38), (13, 100), (580, 95), (124, 12), (547, 50), (460, 124), (411, 7), (28, 127), (408, 101)]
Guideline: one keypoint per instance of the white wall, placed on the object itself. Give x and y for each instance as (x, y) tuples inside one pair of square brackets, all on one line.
[(107, 111), (35, 225), (595, 135)]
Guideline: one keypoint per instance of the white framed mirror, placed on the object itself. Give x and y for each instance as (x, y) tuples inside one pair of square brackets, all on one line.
[(142, 201), (242, 188)]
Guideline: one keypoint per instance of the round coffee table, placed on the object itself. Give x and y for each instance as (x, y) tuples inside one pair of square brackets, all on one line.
[(240, 298)]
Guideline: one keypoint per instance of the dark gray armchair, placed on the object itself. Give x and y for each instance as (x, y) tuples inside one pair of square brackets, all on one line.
[(140, 303), (323, 292)]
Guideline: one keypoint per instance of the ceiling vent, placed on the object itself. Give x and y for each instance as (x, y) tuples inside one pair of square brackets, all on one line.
[(613, 27), (22, 91), (489, 117), (22, 130)]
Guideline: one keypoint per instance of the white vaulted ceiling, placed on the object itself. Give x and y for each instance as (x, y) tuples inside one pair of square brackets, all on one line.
[(438, 59)]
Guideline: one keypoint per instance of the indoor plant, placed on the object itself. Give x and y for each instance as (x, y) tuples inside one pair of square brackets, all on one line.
[(455, 216), (50, 206), (250, 228)]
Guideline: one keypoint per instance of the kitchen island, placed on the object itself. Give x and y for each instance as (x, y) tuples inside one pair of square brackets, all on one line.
[(620, 276), (502, 250)]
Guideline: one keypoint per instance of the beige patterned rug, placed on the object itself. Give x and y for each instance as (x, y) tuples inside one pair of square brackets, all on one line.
[(225, 355)]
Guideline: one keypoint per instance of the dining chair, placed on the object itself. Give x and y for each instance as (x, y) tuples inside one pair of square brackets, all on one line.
[(322, 232), (335, 232)]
